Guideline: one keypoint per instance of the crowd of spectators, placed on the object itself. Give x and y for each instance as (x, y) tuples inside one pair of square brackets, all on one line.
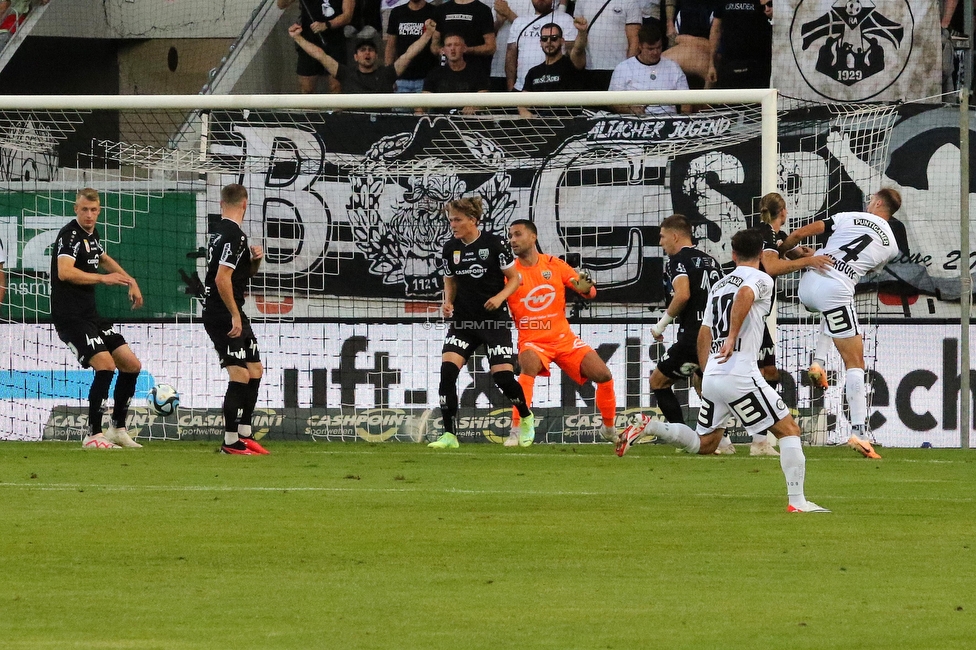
[(533, 45)]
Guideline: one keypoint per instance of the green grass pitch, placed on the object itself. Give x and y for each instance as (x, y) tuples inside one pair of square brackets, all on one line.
[(555, 546)]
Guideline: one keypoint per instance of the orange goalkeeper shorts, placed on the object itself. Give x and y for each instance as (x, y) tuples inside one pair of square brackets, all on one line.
[(567, 353)]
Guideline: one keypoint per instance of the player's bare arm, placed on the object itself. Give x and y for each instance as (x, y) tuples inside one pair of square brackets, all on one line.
[(775, 265), (682, 294), (109, 264), (812, 229), (226, 290), (68, 273), (511, 285), (450, 293), (704, 347), (257, 254), (744, 298), (415, 48)]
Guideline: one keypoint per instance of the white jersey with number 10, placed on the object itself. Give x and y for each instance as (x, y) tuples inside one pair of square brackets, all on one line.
[(718, 316)]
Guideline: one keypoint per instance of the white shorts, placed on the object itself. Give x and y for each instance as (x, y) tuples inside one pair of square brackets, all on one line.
[(749, 398), (835, 302)]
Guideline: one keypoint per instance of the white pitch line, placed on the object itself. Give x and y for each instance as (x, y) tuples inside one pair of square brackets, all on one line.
[(70, 487)]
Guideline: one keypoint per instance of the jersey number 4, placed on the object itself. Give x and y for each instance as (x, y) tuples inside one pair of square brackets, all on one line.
[(854, 248)]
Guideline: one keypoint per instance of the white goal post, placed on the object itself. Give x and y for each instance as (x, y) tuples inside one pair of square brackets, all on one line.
[(166, 148)]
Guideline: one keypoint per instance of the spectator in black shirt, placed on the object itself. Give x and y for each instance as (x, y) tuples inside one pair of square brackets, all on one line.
[(322, 22), (368, 76), (405, 28), (745, 45), (558, 72), (457, 76), (473, 21), (77, 258)]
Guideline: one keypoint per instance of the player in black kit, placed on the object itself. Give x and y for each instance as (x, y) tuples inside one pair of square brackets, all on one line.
[(230, 264), (479, 276), (78, 257), (692, 273)]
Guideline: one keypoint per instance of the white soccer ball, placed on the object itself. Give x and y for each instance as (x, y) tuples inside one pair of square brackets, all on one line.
[(163, 399)]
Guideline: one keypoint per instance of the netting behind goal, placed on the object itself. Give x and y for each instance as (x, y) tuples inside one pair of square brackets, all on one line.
[(347, 206)]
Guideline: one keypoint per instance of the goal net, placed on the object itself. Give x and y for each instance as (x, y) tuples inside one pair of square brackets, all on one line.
[(347, 205)]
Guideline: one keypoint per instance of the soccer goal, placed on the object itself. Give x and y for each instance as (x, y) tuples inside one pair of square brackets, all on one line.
[(345, 197)]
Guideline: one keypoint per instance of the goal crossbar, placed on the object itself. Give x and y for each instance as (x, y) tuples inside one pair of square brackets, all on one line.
[(766, 97)]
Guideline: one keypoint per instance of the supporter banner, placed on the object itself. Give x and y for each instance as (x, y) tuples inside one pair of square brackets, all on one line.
[(343, 196), (858, 50)]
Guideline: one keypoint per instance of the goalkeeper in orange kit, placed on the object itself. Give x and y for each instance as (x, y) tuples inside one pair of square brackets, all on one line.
[(538, 308)]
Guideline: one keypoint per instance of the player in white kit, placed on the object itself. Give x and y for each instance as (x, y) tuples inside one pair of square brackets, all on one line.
[(858, 242), (728, 348)]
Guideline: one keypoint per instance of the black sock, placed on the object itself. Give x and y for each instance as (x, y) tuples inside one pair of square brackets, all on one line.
[(125, 388), (97, 396), (667, 401), (508, 384), (448, 394), (234, 400), (252, 398)]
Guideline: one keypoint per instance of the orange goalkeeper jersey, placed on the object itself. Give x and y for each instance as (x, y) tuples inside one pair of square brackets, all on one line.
[(538, 306)]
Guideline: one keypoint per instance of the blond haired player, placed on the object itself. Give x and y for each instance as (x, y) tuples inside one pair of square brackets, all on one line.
[(538, 307)]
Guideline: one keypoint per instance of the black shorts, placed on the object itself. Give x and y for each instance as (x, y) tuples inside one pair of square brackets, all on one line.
[(497, 342), (88, 338), (767, 353), (309, 67), (239, 351), (681, 359)]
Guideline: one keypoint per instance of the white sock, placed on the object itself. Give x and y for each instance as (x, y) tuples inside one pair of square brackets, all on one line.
[(824, 343), (794, 466), (725, 442), (679, 435), (758, 438), (230, 437), (854, 389), (244, 430)]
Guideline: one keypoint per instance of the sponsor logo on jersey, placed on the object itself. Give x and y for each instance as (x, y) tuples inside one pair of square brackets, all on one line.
[(868, 223), (539, 297), (500, 350), (475, 271)]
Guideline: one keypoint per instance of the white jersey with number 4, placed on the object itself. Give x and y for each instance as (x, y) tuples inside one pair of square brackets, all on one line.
[(718, 316), (858, 242)]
